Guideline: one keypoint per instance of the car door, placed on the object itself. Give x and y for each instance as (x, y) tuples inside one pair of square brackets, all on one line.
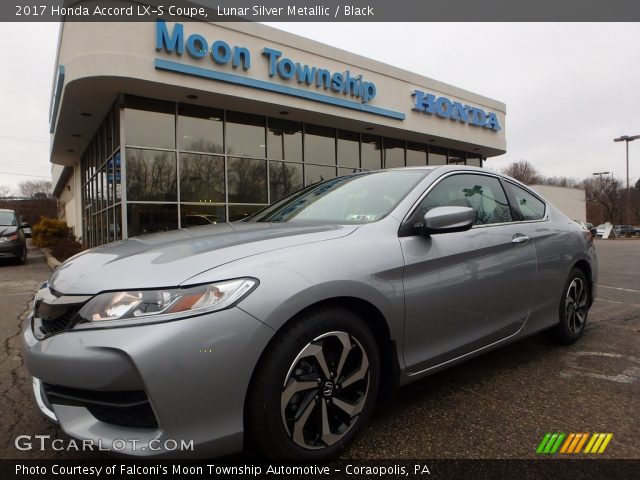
[(465, 290)]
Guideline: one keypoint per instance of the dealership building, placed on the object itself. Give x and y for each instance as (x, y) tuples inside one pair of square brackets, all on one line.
[(164, 125)]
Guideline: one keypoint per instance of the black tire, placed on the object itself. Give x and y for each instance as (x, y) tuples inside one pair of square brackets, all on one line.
[(273, 415), (21, 260), (572, 314)]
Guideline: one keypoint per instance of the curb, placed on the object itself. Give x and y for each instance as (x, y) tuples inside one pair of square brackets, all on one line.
[(52, 262)]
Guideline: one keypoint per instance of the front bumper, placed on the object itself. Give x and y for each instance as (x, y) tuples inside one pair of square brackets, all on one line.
[(11, 248), (194, 372)]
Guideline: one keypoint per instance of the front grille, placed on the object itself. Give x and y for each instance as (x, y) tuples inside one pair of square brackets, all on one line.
[(60, 323), (129, 408), (139, 416)]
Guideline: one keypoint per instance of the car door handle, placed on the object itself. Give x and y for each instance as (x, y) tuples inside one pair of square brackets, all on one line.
[(519, 238)]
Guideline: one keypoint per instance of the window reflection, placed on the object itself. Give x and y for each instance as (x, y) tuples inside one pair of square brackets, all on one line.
[(284, 140), (245, 135), (284, 178), (148, 218), (198, 215), (456, 157), (201, 178), (200, 129), (318, 173), (238, 212), (319, 145), (474, 160), (151, 175), (371, 152), (247, 180), (348, 149), (149, 129), (416, 154), (393, 153), (437, 156)]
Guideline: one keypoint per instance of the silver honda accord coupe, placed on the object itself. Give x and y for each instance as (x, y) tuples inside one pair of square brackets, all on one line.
[(282, 330)]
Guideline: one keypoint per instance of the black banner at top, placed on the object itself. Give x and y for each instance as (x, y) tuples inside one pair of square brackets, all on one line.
[(321, 10)]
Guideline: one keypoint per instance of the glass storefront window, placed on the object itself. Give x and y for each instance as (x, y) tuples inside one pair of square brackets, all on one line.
[(393, 153), (151, 217), (238, 212), (284, 140), (109, 131), (416, 154), (200, 129), (117, 177), (318, 173), (474, 160), (247, 179), (348, 149), (284, 179), (151, 175), (371, 152), (245, 135), (117, 222), (198, 215), (149, 129), (201, 178), (219, 159), (319, 145), (437, 155), (456, 157)]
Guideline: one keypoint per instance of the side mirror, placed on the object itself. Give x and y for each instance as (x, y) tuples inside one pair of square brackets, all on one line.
[(448, 219)]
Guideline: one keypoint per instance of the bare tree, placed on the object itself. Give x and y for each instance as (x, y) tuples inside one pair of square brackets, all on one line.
[(5, 191), (605, 192), (35, 189), (523, 171)]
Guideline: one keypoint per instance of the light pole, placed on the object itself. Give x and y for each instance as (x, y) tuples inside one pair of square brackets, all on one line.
[(627, 139), (600, 174)]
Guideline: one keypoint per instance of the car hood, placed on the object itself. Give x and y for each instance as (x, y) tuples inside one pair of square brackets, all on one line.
[(170, 258), (6, 230)]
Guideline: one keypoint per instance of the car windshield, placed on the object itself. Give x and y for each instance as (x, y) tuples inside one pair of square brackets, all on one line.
[(358, 198), (7, 219)]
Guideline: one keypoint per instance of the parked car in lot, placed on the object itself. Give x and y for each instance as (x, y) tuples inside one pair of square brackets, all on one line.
[(26, 229), (284, 328), (12, 241), (623, 230), (600, 229)]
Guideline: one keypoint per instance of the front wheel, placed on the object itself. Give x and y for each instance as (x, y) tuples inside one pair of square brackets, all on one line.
[(574, 308), (315, 387)]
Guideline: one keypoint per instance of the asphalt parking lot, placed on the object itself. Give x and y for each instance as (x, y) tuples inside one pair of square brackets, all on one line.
[(496, 406)]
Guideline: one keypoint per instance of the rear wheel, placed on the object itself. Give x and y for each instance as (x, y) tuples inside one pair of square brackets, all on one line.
[(574, 308), (315, 386)]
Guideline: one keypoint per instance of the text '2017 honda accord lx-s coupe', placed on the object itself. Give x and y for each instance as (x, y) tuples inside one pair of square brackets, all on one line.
[(282, 329)]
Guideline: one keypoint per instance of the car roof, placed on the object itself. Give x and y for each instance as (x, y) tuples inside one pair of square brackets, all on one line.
[(7, 210)]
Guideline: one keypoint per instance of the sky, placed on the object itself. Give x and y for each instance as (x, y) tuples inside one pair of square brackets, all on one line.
[(570, 89)]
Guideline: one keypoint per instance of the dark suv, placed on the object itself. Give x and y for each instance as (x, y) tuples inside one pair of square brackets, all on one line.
[(12, 240)]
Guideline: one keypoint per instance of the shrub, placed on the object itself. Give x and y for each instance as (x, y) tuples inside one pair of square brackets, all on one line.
[(66, 248), (49, 231)]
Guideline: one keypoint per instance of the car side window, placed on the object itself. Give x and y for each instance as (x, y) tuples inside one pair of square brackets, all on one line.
[(530, 207), (481, 192)]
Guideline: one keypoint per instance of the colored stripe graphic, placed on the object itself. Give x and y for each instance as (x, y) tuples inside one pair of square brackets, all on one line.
[(543, 443), (598, 442), (572, 443), (567, 443), (581, 442), (550, 443)]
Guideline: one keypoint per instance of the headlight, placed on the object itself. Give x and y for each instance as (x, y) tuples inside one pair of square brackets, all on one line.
[(165, 304), (9, 238)]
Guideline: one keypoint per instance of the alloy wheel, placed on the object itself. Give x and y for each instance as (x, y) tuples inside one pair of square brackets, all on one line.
[(325, 390), (576, 305)]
